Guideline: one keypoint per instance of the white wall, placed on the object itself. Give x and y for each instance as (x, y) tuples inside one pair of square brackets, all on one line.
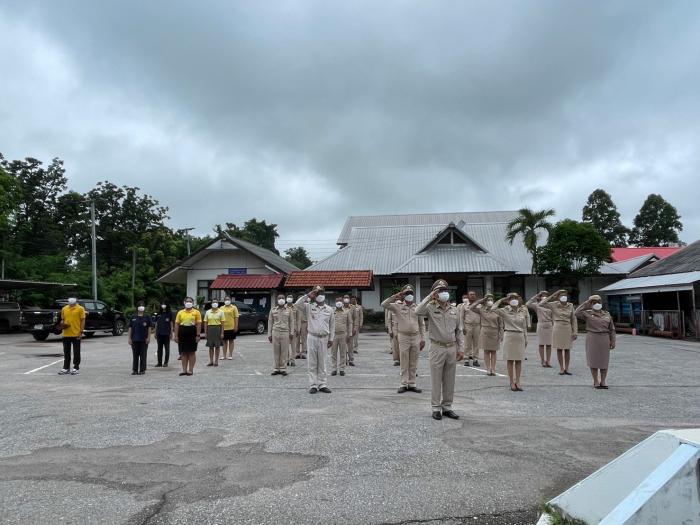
[(370, 299)]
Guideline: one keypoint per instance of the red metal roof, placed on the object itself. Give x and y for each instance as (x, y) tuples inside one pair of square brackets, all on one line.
[(342, 279), (247, 282), (623, 254)]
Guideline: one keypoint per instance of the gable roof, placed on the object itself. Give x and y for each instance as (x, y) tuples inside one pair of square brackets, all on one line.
[(627, 266), (620, 254), (670, 282), (270, 257), (684, 260), (343, 279)]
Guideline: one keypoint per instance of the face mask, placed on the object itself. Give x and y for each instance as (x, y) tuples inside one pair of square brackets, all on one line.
[(290, 300), (597, 306), (465, 300), (409, 298), (563, 298), (489, 303), (141, 308), (444, 296), (338, 304), (72, 300), (513, 302), (163, 306), (189, 304), (320, 298), (214, 305), (280, 302), (227, 302), (346, 300)]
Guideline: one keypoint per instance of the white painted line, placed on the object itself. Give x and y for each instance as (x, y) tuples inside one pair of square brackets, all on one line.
[(42, 367), (257, 372), (485, 371)]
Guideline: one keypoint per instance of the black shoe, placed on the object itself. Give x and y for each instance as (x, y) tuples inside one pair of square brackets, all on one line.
[(165, 365), (476, 363), (303, 356), (351, 363), (437, 415), (210, 364), (355, 352), (158, 366), (134, 373), (292, 363), (402, 389), (567, 373), (276, 372), (396, 363), (283, 373), (183, 373), (414, 389), (325, 390), (334, 373), (313, 390), (141, 373), (450, 413), (466, 363), (342, 372)]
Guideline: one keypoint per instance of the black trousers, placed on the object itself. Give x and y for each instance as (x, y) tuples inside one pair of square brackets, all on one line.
[(163, 344), (68, 343), (139, 349)]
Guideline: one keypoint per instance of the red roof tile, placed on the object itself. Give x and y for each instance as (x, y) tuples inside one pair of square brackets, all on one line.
[(623, 254), (247, 282), (343, 279)]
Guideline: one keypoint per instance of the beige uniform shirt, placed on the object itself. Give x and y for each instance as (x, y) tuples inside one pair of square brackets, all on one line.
[(597, 322), (406, 319), (319, 316), (544, 315), (468, 316), (514, 319), (348, 309), (279, 320), (443, 322), (562, 314), (343, 322), (358, 317), (294, 313)]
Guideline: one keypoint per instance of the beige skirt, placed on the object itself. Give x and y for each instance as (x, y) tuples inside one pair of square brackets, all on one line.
[(598, 350), (488, 339), (513, 346), (544, 333), (561, 336)]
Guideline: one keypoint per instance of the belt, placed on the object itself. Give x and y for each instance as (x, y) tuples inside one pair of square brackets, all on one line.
[(473, 324), (408, 333), (318, 335), (562, 322), (446, 345), (515, 331)]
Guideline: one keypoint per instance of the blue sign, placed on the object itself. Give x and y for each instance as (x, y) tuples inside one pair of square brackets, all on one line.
[(238, 271)]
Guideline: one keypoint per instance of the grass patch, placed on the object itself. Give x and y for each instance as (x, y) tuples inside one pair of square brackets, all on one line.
[(556, 516)]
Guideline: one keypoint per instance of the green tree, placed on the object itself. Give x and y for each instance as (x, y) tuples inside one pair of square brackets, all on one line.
[(299, 257), (657, 223), (601, 212), (529, 224), (254, 231), (573, 250)]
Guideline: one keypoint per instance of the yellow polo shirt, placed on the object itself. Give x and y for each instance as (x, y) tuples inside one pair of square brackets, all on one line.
[(72, 315), (231, 314), (191, 318)]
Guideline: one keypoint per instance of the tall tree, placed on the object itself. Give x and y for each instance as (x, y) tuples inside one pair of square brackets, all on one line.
[(529, 224), (254, 231), (601, 212), (657, 223), (299, 257)]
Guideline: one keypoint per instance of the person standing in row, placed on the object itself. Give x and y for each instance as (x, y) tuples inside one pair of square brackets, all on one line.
[(295, 330), (72, 326), (515, 322), (565, 328), (342, 339), (387, 325), (139, 336), (410, 334), (214, 328), (303, 331), (600, 338), (321, 333), (471, 327), (393, 335), (544, 327), (188, 323), (280, 332), (490, 332), (164, 323), (357, 322), (445, 347), (231, 316)]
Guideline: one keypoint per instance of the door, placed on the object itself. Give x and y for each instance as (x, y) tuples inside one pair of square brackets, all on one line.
[(246, 319), (92, 318), (103, 316)]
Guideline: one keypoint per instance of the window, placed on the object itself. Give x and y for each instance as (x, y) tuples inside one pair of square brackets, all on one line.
[(101, 306), (476, 284), (389, 287), (203, 289), (89, 305), (511, 283)]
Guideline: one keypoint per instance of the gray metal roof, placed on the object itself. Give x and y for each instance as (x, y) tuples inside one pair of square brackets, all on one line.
[(266, 255), (452, 259), (625, 267), (683, 261), (653, 283)]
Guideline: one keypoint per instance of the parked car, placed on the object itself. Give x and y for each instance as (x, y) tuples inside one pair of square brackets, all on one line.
[(98, 318), (10, 316), (250, 320)]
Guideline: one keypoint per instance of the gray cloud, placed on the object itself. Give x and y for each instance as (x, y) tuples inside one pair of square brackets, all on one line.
[(228, 110)]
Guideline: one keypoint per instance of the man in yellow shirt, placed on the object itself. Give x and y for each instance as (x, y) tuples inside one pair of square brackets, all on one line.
[(72, 324), (231, 315)]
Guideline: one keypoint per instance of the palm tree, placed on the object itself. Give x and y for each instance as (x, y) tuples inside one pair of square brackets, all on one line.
[(528, 223)]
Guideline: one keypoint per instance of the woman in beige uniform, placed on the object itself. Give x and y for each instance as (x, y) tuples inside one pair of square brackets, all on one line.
[(515, 336), (600, 338), (544, 327), (565, 328), (491, 333)]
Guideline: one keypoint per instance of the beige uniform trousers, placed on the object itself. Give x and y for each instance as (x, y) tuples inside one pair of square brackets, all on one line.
[(409, 348), (471, 341), (316, 361), (339, 351), (395, 351), (301, 338), (293, 347), (355, 342), (280, 348), (443, 366)]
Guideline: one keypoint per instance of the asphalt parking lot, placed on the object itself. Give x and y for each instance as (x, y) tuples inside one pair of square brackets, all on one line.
[(234, 445)]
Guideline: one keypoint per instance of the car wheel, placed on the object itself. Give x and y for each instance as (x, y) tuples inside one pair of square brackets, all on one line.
[(260, 327), (89, 334), (118, 327), (40, 336)]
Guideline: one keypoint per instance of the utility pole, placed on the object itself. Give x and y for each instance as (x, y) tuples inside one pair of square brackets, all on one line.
[(133, 275), (94, 251), (187, 233)]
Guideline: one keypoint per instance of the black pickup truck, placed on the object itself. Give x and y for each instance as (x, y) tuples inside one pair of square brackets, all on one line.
[(41, 322)]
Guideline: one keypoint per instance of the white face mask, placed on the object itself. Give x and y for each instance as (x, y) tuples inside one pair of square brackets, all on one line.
[(465, 300), (346, 300), (290, 300), (227, 302), (444, 296), (72, 300), (189, 304), (141, 308), (338, 304), (563, 298), (280, 302), (409, 298), (214, 305), (320, 298), (489, 303), (597, 306), (163, 306), (513, 302)]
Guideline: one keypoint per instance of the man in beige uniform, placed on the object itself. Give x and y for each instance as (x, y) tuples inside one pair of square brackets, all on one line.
[(471, 327), (445, 347), (388, 314), (410, 333), (357, 322), (393, 335), (343, 336), (348, 308), (280, 330), (302, 330), (294, 311), (321, 333)]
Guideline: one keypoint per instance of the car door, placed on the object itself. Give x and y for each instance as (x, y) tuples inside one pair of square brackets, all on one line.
[(92, 319), (246, 320), (103, 316)]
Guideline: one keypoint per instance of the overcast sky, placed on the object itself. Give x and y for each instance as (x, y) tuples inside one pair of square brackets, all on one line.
[(304, 112)]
